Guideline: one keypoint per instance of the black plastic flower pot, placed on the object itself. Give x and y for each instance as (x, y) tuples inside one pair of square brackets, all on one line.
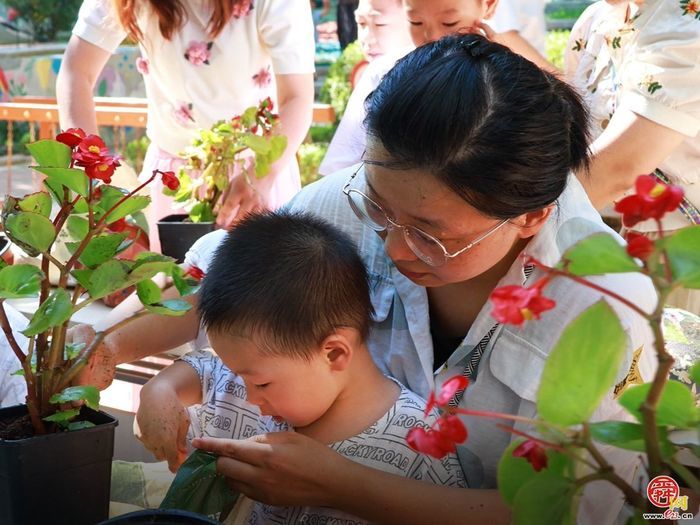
[(60, 478), (160, 517), (177, 235)]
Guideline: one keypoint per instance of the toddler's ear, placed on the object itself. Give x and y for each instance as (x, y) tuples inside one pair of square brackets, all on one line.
[(490, 6), (338, 348)]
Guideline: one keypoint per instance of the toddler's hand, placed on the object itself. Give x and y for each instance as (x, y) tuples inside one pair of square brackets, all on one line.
[(161, 424)]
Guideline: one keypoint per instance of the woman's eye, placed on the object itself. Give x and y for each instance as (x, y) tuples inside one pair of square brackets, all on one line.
[(263, 385), (381, 25), (450, 24), (415, 23)]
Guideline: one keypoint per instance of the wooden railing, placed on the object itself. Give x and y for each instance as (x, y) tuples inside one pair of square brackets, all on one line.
[(42, 115)]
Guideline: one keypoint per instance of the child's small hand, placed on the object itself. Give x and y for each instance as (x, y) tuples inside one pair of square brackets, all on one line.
[(161, 424)]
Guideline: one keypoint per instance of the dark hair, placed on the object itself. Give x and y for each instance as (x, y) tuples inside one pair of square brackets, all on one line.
[(489, 124), (289, 280)]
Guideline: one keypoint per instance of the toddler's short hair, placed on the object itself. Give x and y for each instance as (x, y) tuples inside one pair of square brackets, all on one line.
[(288, 280)]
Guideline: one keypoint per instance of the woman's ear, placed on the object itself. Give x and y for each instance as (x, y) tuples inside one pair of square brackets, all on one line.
[(338, 348), (530, 223)]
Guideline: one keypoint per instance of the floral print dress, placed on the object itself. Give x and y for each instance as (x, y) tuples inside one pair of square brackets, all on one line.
[(645, 58)]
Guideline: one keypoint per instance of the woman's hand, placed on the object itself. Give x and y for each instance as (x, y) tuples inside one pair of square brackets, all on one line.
[(161, 423), (102, 364), (245, 194), (280, 468)]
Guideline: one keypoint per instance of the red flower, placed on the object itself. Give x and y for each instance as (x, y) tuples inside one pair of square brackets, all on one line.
[(652, 200), (447, 392), (118, 226), (452, 428), (91, 150), (267, 104), (639, 245), (533, 452), (517, 304), (103, 169), (170, 180), (430, 442), (12, 14), (196, 273), (71, 137)]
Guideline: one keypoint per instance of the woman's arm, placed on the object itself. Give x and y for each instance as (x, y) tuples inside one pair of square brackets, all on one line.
[(295, 95), (631, 145), (82, 64), (291, 469)]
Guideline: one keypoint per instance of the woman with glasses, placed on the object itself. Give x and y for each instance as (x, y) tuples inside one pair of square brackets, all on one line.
[(469, 154)]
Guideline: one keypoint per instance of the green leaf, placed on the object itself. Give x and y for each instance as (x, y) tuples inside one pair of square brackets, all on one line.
[(198, 487), (101, 249), (20, 280), (544, 500), (111, 195), (676, 406), (56, 190), (202, 212), (89, 394), (598, 254), (55, 311), (683, 249), (514, 472), (39, 202), (629, 436), (149, 269), (582, 367), (79, 425), (50, 153), (78, 227), (171, 307), (63, 417), (258, 144), (30, 230), (148, 292), (71, 178), (278, 143), (72, 350), (694, 373), (109, 277), (183, 284)]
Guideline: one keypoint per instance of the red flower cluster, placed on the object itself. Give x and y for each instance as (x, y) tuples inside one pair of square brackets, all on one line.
[(517, 304), (264, 117), (442, 437), (639, 245), (533, 452), (196, 273), (652, 200), (90, 152)]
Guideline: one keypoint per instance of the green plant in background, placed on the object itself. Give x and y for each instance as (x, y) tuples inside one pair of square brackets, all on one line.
[(135, 152), (561, 453), (217, 152), (336, 88), (46, 18), (93, 214), (310, 157), (555, 46)]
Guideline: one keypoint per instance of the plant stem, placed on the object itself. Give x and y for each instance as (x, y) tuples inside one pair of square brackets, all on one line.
[(686, 475), (632, 496), (30, 380)]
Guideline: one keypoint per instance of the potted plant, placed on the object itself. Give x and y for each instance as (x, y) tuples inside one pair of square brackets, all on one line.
[(561, 453), (243, 144), (56, 450)]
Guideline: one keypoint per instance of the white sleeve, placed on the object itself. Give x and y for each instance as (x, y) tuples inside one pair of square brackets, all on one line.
[(202, 251), (286, 29), (662, 73), (98, 24), (13, 389), (349, 141), (506, 17)]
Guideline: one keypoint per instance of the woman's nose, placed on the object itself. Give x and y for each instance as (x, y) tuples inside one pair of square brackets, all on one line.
[(395, 245)]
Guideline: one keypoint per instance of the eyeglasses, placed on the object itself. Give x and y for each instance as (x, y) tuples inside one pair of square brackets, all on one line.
[(426, 247)]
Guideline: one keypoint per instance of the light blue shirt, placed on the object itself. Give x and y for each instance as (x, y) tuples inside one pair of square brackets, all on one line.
[(510, 369)]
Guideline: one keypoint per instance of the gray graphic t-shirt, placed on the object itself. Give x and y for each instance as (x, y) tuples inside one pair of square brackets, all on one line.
[(226, 413)]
